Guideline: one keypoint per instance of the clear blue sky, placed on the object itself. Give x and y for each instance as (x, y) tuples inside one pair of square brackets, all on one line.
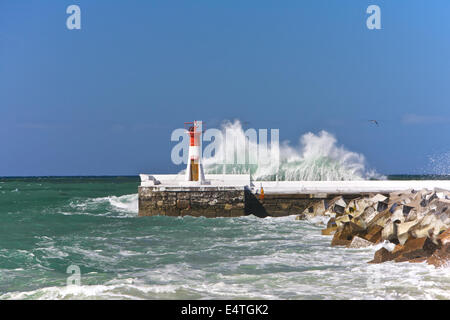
[(104, 99)]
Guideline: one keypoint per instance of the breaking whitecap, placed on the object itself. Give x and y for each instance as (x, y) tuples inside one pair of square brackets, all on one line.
[(114, 206)]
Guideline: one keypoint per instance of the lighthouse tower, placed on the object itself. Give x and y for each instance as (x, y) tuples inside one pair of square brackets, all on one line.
[(194, 171)]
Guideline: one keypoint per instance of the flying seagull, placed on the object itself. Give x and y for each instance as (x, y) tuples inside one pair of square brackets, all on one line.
[(374, 121)]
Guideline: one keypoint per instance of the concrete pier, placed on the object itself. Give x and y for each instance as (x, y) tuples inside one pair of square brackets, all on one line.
[(237, 195)]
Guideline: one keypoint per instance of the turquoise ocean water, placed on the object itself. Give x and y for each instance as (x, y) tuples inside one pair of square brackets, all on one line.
[(49, 224)]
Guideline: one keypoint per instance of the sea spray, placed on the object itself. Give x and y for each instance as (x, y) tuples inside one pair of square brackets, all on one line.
[(317, 157), (439, 164)]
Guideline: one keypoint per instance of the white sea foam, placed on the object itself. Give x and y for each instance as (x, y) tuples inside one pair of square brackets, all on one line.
[(321, 278), (319, 220), (113, 206), (126, 203), (52, 252), (68, 292)]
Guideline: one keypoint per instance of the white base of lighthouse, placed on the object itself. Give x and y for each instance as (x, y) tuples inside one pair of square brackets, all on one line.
[(194, 173)]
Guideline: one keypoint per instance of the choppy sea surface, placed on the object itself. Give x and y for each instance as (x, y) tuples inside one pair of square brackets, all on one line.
[(48, 225)]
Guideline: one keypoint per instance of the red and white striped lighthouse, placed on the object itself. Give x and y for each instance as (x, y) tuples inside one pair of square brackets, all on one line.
[(194, 170)]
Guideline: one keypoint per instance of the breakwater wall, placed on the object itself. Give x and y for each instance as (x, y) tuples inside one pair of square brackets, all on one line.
[(237, 195), (213, 202), (210, 202)]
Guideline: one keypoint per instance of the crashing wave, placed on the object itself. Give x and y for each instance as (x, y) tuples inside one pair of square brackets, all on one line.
[(317, 157), (114, 206)]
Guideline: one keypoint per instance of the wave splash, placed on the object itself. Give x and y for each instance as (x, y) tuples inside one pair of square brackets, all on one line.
[(317, 157), (115, 206), (439, 164)]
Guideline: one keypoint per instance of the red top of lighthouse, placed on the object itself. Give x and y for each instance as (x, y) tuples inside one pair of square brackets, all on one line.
[(194, 129)]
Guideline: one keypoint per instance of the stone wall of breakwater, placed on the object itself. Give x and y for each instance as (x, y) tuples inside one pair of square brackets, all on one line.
[(212, 202), (285, 204)]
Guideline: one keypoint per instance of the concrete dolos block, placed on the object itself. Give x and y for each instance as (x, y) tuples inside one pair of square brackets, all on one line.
[(416, 221)]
